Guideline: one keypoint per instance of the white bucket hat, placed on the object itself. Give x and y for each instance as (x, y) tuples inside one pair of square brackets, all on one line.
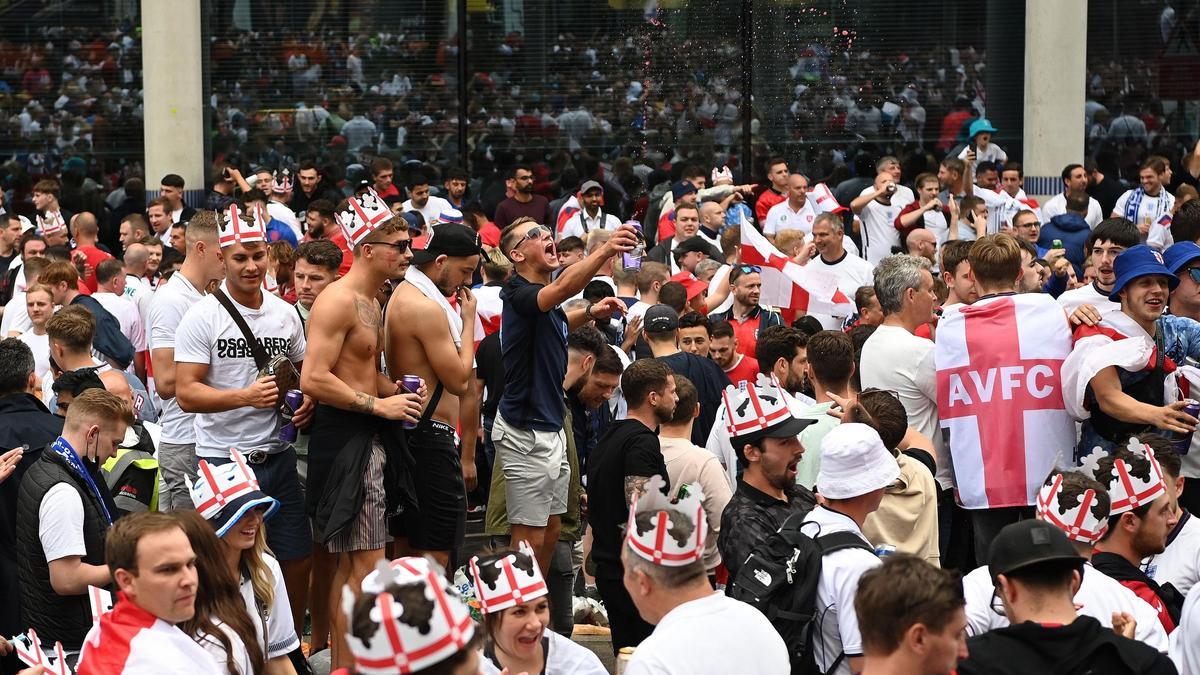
[(854, 462)]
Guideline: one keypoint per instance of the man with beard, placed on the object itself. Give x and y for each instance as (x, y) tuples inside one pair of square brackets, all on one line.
[(430, 207), (320, 223), (748, 318), (622, 464), (528, 431), (429, 338), (456, 187), (523, 203), (352, 441)]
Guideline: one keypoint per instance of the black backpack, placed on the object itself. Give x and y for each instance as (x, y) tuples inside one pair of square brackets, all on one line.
[(780, 578)]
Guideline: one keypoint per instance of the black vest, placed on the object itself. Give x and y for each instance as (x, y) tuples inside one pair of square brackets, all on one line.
[(65, 618)]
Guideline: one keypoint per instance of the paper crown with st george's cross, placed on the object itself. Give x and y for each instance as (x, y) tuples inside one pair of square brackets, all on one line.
[(51, 223), (424, 623), (507, 581), (1079, 520), (1126, 490), (759, 411), (667, 533), (238, 226), (281, 181), (362, 216)]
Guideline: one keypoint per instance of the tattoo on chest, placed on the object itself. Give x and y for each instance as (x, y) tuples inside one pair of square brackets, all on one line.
[(370, 317)]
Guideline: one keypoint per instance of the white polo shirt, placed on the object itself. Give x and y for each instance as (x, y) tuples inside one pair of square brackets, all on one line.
[(852, 273), (836, 627), (783, 217), (879, 231)]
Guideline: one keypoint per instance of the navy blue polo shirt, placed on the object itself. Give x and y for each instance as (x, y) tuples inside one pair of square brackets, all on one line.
[(533, 346)]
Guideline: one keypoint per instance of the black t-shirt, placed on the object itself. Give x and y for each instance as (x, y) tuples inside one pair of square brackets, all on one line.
[(534, 348), (489, 367), (710, 381), (628, 448)]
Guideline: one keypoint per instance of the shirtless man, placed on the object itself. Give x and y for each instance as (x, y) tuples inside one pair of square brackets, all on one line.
[(442, 352), (352, 438)]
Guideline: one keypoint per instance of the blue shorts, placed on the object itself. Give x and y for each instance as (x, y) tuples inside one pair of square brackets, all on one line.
[(289, 533)]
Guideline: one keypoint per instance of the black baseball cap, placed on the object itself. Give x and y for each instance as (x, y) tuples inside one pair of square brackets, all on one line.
[(697, 244), (1027, 543), (660, 319), (449, 239)]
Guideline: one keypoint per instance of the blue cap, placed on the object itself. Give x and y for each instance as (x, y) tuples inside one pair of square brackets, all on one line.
[(1139, 261), (1180, 254), (681, 188), (981, 125)]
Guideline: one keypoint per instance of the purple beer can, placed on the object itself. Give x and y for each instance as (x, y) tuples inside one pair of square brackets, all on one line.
[(411, 384), (292, 401), (1183, 442)]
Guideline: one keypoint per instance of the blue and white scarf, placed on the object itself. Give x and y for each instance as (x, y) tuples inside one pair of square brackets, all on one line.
[(63, 449)]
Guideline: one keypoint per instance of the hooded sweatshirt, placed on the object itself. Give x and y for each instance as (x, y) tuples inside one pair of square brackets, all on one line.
[(1082, 646), (1073, 231)]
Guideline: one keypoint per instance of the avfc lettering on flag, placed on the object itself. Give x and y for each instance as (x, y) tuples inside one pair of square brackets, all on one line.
[(1015, 382), (237, 348)]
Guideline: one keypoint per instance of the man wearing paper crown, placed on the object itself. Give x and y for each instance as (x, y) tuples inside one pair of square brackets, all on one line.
[(353, 437), (236, 354), (407, 619), (763, 433), (1139, 522), (1078, 505), (514, 600), (697, 630)]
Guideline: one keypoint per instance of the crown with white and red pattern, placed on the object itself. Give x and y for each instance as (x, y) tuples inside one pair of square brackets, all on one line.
[(408, 639), (757, 408), (281, 181), (1077, 522), (29, 651), (513, 579), (722, 174), (1127, 491), (674, 532), (52, 223), (237, 226), (363, 215)]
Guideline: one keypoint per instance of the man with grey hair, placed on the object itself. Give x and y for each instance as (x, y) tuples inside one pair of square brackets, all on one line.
[(895, 359), (832, 258)]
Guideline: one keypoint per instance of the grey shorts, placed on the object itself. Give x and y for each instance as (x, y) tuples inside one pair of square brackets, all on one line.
[(175, 460), (536, 472), (369, 530)]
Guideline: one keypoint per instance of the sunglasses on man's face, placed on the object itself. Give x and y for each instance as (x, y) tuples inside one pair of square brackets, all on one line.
[(1194, 273), (401, 246)]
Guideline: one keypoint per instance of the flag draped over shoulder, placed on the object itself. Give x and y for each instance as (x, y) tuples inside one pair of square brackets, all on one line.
[(1000, 396), (801, 288)]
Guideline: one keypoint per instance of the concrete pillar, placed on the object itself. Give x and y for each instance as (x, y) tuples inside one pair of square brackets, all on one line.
[(1055, 85), (172, 76)]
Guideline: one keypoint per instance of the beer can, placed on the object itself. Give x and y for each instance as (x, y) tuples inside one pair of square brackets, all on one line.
[(1183, 442), (292, 401), (410, 383), (884, 550)]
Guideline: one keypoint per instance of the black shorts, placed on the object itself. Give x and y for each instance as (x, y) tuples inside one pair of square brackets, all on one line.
[(440, 520)]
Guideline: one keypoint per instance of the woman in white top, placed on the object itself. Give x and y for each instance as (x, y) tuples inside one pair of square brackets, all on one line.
[(221, 624), (516, 635), (237, 517), (39, 303)]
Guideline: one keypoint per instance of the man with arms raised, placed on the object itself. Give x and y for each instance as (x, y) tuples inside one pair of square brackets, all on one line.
[(429, 338), (528, 432), (168, 305), (351, 443)]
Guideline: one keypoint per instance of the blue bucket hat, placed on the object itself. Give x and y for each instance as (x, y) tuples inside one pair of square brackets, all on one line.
[(1139, 261), (1180, 254), (979, 126)]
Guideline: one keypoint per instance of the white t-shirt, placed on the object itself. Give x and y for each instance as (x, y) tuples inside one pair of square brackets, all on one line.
[(127, 316), (1001, 208), (638, 309), (903, 197), (574, 227), (992, 153), (40, 346), (433, 208), (562, 657), (1057, 205), (280, 633), (895, 360), (60, 523), (852, 273), (16, 316), (140, 292), (237, 649), (1099, 596), (715, 634), (879, 231), (1179, 565), (783, 217), (1185, 641), (836, 629), (169, 304), (719, 281), (1087, 295), (208, 335), (1151, 209)]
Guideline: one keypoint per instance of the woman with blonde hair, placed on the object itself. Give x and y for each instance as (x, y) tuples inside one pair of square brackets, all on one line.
[(229, 498)]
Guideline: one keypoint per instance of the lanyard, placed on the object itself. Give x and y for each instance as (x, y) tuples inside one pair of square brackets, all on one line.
[(63, 449)]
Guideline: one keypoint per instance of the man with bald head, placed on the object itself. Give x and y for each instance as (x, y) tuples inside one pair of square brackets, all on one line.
[(923, 244), (712, 219), (137, 257), (796, 212), (87, 231)]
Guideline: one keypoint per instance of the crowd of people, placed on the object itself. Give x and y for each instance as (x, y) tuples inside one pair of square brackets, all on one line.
[(740, 431)]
